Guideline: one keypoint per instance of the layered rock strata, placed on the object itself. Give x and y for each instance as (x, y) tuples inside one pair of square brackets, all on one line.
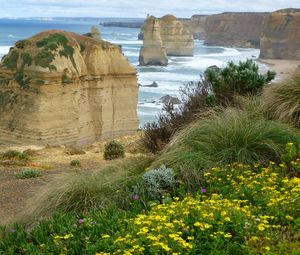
[(234, 29), (62, 88), (280, 37), (176, 37)]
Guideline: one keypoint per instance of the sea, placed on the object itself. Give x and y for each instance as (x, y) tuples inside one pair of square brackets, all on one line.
[(170, 79)]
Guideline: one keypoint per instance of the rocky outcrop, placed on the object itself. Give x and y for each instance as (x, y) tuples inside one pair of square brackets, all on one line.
[(62, 88), (234, 29), (162, 37), (152, 51), (176, 37), (197, 25), (95, 33), (280, 37)]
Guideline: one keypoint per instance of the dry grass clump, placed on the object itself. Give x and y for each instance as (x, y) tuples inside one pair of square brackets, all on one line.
[(282, 101)]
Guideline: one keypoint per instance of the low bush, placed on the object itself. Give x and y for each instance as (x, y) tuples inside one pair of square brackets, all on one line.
[(227, 136), (282, 101), (158, 182), (242, 79), (75, 162), (113, 150), (28, 173), (16, 155)]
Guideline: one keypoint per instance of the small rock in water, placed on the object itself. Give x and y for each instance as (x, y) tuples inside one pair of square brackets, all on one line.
[(170, 99)]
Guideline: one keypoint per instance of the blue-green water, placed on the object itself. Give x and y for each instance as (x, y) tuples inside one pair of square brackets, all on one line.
[(179, 71)]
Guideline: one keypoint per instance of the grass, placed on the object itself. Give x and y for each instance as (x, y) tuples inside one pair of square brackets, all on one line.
[(75, 162), (28, 173), (227, 136), (240, 210), (86, 191), (282, 101)]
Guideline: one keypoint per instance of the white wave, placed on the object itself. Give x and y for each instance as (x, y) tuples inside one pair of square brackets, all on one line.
[(166, 77), (4, 50), (202, 63), (126, 42), (10, 35), (229, 52)]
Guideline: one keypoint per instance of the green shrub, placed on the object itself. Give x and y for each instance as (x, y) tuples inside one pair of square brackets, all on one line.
[(10, 154), (75, 162), (10, 61), (26, 59), (13, 154), (52, 39), (241, 79), (88, 190), (114, 150), (282, 101), (28, 173), (227, 136)]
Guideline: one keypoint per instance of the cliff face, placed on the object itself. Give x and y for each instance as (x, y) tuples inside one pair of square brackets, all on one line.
[(152, 51), (196, 24), (281, 35), (234, 29), (176, 37), (62, 88)]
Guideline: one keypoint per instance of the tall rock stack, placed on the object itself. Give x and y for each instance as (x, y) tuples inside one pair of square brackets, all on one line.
[(152, 51), (176, 37), (62, 88), (280, 37)]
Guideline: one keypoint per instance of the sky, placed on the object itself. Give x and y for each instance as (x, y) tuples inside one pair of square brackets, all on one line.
[(134, 8)]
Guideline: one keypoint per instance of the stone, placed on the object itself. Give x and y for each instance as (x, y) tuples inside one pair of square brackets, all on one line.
[(280, 37), (169, 99), (152, 51), (60, 88)]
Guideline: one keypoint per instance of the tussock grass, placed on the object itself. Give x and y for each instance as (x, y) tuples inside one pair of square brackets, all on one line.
[(282, 100), (227, 136), (84, 191)]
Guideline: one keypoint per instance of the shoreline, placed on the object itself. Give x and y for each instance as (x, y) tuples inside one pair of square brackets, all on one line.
[(284, 68)]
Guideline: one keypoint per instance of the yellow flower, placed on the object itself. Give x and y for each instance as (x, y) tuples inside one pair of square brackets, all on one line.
[(105, 236)]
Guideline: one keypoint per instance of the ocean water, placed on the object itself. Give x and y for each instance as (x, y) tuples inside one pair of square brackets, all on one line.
[(170, 78)]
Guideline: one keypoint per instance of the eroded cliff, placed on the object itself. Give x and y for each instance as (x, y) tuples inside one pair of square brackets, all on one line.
[(280, 37), (62, 88), (234, 29)]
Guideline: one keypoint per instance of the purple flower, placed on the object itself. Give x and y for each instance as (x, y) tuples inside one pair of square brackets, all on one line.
[(93, 223), (203, 190), (81, 221), (135, 197), (13, 230)]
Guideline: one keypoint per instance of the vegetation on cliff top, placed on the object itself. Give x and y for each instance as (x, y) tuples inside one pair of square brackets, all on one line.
[(227, 183)]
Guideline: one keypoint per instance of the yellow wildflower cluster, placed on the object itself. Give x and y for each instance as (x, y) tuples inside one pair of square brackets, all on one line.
[(242, 205)]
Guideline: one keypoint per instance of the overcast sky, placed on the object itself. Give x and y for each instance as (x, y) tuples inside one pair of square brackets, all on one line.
[(134, 8)]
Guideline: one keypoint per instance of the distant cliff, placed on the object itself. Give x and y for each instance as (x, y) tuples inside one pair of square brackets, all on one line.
[(197, 25), (281, 35), (137, 24), (234, 29), (62, 88)]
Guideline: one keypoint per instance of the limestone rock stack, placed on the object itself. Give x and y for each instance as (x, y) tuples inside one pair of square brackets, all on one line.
[(176, 37), (166, 36), (62, 88), (152, 51), (280, 37)]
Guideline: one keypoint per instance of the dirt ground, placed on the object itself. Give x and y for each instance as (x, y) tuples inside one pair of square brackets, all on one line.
[(52, 162)]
